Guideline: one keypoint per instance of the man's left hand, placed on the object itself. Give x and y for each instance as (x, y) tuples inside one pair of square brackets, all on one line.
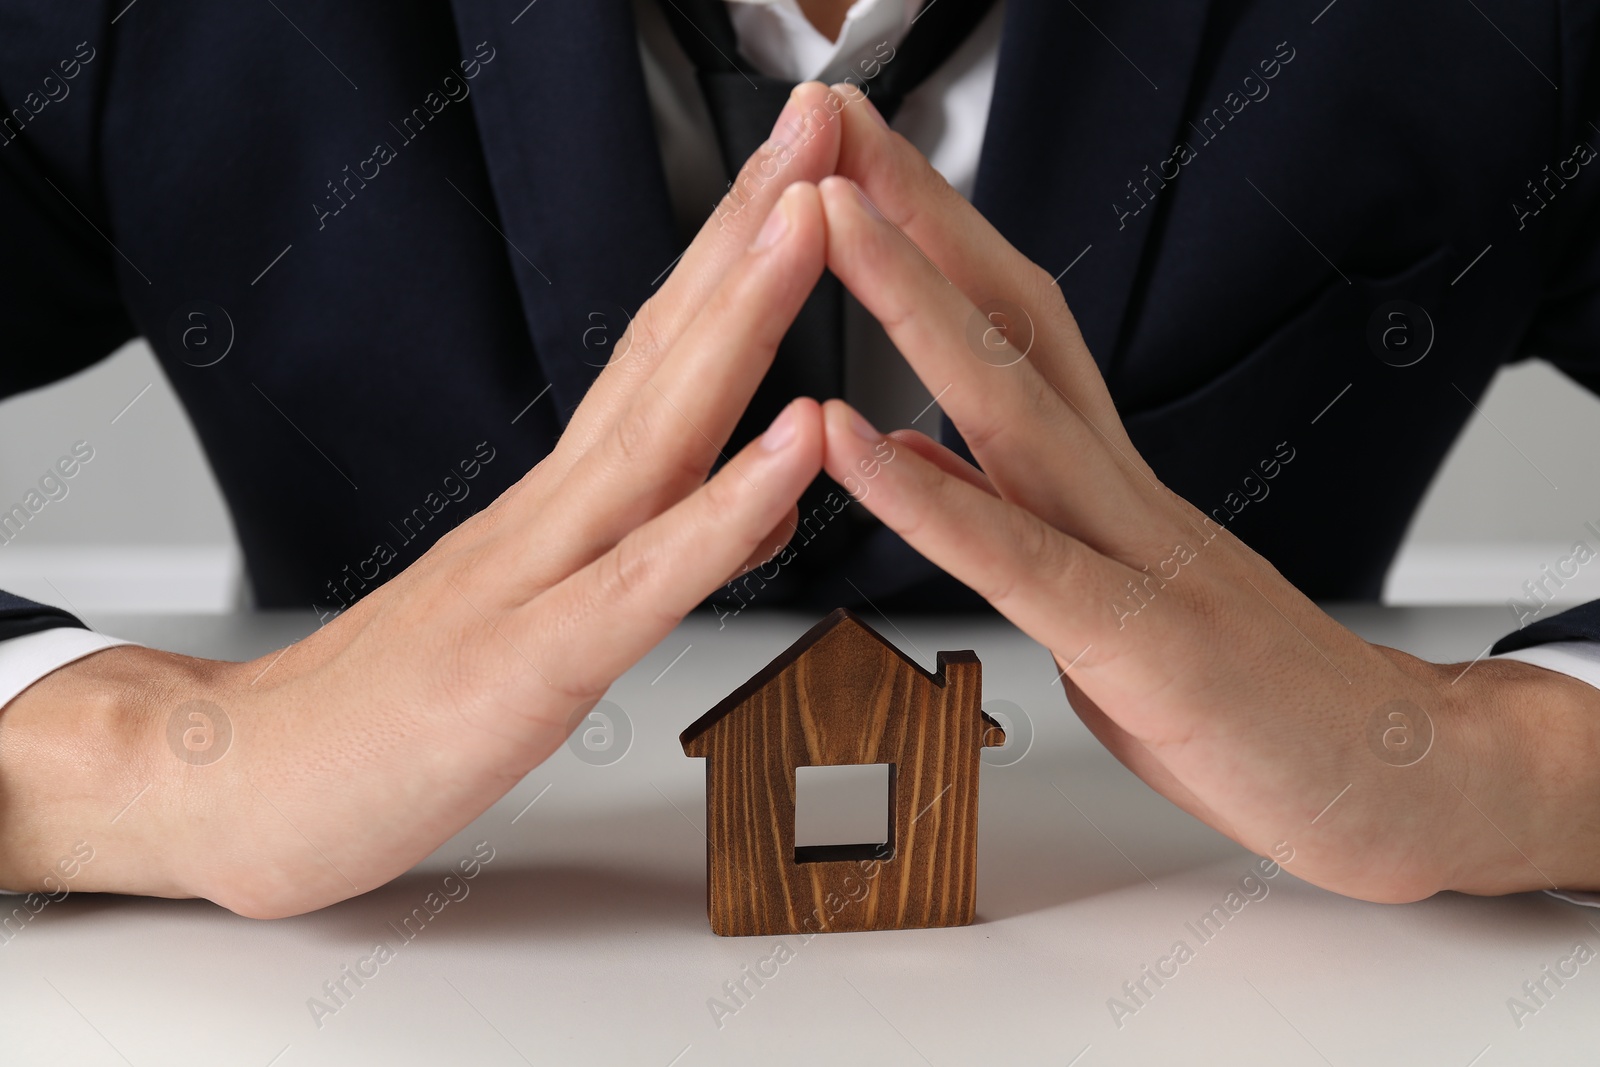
[(1362, 769)]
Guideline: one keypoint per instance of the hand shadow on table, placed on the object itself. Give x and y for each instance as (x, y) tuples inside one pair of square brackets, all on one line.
[(521, 900), (1098, 830), (1038, 850), (1055, 830), (1063, 827)]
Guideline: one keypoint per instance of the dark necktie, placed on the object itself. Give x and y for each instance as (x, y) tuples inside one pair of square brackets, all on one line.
[(744, 106)]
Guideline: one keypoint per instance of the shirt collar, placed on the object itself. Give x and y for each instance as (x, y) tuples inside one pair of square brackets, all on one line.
[(782, 43)]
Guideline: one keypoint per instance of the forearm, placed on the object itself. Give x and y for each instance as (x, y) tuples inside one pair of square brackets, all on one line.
[(91, 796)]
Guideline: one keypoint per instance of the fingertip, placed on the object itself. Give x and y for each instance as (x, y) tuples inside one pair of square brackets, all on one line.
[(811, 409), (920, 444), (835, 416), (782, 432), (785, 458), (804, 201), (946, 459), (848, 207), (854, 95), (848, 433), (775, 228), (869, 142), (841, 205), (817, 111), (863, 429), (809, 414), (792, 246), (809, 91), (834, 188), (797, 428)]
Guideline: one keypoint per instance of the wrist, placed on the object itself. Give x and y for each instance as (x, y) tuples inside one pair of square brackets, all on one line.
[(95, 799), (1527, 802)]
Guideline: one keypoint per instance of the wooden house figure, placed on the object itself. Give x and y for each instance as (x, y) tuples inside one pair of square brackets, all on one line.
[(842, 695)]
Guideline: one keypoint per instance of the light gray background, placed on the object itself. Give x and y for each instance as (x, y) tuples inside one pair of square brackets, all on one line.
[(143, 527)]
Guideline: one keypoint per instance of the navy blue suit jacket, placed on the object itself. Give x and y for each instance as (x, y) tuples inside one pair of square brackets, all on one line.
[(410, 230)]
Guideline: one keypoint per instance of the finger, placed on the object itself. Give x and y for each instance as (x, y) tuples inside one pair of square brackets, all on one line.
[(673, 431), (1005, 554), (804, 147), (944, 459), (772, 544), (598, 622), (1009, 414), (1052, 586), (976, 258)]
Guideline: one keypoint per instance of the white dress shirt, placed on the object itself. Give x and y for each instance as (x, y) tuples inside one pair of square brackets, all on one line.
[(944, 118)]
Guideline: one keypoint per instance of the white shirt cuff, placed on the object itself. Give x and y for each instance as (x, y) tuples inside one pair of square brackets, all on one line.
[(1576, 659), (26, 659)]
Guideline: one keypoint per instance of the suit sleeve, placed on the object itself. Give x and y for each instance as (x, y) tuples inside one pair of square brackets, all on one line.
[(19, 617), (1581, 623), (60, 301), (1566, 330), (60, 306)]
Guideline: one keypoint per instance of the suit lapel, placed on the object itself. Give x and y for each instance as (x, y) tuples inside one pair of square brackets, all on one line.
[(1089, 94), (576, 171)]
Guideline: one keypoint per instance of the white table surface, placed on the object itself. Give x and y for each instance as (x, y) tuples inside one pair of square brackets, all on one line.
[(585, 940)]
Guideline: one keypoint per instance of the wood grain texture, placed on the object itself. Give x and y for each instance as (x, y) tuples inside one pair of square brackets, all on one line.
[(843, 695)]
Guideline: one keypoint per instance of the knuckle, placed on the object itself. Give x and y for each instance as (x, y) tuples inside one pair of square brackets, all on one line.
[(1206, 608), (1037, 540), (622, 572), (652, 437), (1041, 287), (1055, 560), (573, 685), (635, 351), (1037, 392), (1001, 587), (634, 438), (722, 497), (627, 576), (752, 188), (908, 523), (925, 177), (681, 470), (1034, 559), (982, 432), (898, 317), (643, 334), (657, 325), (934, 495), (756, 335)]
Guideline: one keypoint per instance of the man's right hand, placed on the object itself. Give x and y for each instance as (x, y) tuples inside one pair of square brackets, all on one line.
[(359, 750)]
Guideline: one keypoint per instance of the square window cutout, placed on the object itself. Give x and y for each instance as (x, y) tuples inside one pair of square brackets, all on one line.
[(844, 812)]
